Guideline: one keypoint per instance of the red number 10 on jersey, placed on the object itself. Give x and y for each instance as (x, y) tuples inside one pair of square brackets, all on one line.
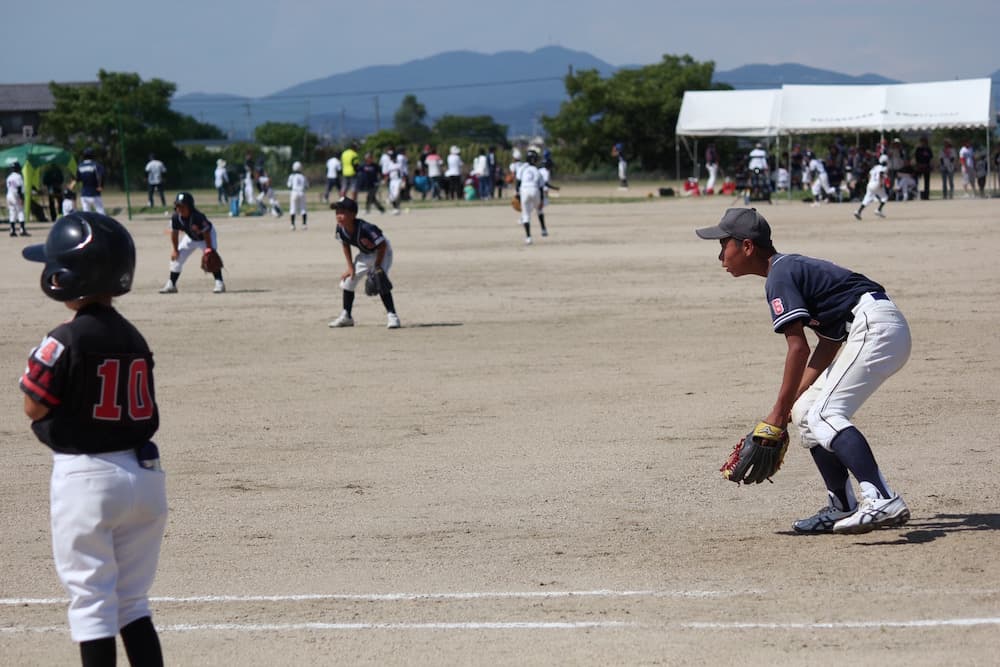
[(136, 386)]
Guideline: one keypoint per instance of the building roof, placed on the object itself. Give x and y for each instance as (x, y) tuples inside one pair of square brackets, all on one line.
[(30, 96)]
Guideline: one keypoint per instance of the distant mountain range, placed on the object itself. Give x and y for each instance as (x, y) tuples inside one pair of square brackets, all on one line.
[(516, 88)]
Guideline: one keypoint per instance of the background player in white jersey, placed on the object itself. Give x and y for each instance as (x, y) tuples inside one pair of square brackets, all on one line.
[(221, 181), (531, 193), (154, 177), (88, 390), (297, 186), (618, 152), (15, 199), (332, 177), (876, 187), (821, 187), (266, 193), (394, 174)]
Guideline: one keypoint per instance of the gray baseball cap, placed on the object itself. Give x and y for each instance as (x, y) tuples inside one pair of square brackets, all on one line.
[(740, 223)]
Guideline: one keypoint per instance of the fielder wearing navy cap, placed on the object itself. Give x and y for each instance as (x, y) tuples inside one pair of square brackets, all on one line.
[(345, 204), (740, 223)]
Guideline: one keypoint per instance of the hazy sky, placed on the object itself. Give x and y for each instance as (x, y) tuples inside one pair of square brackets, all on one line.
[(257, 47)]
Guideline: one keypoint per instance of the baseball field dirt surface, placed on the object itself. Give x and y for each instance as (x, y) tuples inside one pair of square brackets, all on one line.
[(526, 473)]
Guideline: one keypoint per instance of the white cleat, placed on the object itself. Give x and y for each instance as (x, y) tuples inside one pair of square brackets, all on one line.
[(169, 288), (822, 521), (393, 321), (220, 287), (343, 321), (874, 513), (880, 214), (527, 241)]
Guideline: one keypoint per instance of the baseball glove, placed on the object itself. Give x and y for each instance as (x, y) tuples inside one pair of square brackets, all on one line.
[(515, 202), (376, 282), (211, 261), (757, 456)]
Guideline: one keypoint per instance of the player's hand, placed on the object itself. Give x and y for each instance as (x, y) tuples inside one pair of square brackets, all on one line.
[(174, 255), (347, 274)]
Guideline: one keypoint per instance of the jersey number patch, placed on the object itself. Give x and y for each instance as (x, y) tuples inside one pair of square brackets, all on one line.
[(136, 388)]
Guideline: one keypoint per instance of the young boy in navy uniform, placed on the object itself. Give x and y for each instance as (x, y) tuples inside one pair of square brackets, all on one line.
[(374, 254), (821, 391), (88, 389), (199, 234)]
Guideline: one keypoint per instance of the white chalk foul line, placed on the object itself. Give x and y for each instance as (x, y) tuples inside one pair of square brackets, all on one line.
[(285, 627), (396, 597), (846, 625)]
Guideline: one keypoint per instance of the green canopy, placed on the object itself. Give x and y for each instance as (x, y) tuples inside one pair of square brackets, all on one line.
[(34, 159)]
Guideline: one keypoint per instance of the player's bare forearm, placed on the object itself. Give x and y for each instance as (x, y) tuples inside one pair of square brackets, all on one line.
[(796, 359), (822, 356)]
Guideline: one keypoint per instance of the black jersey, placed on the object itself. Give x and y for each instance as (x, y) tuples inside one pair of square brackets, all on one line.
[(197, 226), (366, 238), (95, 374), (818, 291)]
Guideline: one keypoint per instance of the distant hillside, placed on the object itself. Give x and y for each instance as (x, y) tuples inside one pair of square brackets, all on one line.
[(774, 76), (515, 87)]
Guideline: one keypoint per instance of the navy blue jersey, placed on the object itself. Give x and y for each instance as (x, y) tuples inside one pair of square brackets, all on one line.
[(366, 238), (196, 226), (91, 177), (95, 374), (818, 291)]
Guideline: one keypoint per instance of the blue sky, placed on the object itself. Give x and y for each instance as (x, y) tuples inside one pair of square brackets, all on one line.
[(256, 47)]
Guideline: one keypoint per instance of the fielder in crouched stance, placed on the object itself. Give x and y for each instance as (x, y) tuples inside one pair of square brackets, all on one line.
[(88, 389), (374, 254), (821, 391)]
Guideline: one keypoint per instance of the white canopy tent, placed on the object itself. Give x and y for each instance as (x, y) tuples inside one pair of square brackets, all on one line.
[(966, 103)]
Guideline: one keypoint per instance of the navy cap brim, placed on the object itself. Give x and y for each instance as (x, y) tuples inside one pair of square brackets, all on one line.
[(713, 233), (34, 253)]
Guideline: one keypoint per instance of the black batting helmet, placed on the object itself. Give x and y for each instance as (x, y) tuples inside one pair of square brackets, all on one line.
[(185, 198), (532, 156), (85, 254)]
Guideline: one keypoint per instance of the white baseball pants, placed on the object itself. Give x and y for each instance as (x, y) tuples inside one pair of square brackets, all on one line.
[(15, 209), (297, 203), (364, 262), (874, 193), (531, 202), (877, 346), (108, 516), (187, 246), (92, 204)]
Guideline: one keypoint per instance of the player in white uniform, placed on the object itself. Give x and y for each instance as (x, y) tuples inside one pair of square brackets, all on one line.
[(297, 185), (395, 175), (821, 183), (221, 181), (530, 190), (267, 193), (332, 177), (876, 187), (154, 177), (15, 199)]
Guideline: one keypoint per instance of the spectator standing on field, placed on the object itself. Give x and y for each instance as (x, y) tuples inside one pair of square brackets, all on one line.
[(967, 158), (221, 181), (922, 157), (154, 177), (948, 171), (53, 180), (433, 164), (332, 177), (90, 174), (453, 174)]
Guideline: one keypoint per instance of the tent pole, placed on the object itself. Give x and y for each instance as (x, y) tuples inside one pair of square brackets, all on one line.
[(121, 144)]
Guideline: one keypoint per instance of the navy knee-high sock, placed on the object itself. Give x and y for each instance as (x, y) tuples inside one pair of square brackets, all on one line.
[(836, 477), (142, 645), (348, 301), (854, 452)]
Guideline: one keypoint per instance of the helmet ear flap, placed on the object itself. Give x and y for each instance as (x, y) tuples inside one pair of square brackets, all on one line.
[(60, 283)]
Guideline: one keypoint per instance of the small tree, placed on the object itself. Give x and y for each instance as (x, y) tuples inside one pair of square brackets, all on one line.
[(409, 120), (464, 129), (297, 137)]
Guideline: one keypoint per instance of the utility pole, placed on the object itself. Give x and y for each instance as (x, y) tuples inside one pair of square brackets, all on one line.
[(378, 124)]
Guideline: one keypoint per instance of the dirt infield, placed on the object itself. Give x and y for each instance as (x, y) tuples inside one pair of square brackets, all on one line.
[(526, 472)]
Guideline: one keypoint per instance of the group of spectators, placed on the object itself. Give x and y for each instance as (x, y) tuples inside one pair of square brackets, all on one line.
[(430, 175), (910, 169)]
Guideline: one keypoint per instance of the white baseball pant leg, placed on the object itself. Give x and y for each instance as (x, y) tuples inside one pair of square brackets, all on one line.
[(363, 263), (877, 346), (531, 202), (108, 516), (713, 170), (15, 209), (92, 204), (187, 246), (297, 203), (874, 193)]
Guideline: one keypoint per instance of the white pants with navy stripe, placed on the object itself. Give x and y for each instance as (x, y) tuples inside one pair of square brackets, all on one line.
[(363, 263), (877, 346), (108, 517), (186, 246)]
